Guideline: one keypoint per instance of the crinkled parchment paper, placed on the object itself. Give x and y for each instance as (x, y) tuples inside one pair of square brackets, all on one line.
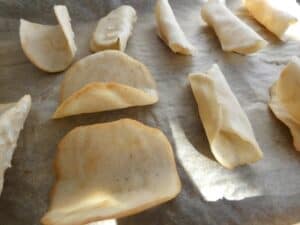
[(269, 191)]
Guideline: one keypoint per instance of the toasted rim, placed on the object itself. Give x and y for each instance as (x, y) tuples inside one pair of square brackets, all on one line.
[(134, 210), (101, 85), (94, 56)]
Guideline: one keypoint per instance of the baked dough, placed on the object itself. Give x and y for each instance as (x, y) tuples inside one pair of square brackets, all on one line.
[(277, 16), (111, 170), (50, 48), (285, 99), (169, 30), (12, 118), (114, 30), (227, 127), (234, 35), (104, 81)]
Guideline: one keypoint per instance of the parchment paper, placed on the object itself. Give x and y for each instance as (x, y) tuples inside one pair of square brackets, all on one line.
[(272, 186)]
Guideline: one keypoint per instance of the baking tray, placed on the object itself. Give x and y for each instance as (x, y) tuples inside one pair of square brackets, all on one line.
[(265, 193)]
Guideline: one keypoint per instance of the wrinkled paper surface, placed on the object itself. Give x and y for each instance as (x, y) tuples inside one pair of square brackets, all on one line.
[(269, 191)]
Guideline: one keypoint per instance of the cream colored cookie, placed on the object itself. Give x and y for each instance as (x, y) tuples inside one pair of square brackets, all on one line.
[(12, 119), (227, 127), (285, 99), (169, 30), (50, 48), (104, 81), (111, 170), (233, 34), (277, 16), (114, 30)]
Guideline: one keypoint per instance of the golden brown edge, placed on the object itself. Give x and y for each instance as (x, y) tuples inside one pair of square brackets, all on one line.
[(129, 212), (116, 53), (105, 85)]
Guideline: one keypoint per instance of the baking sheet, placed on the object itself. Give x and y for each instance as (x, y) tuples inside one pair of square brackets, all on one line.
[(269, 191)]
